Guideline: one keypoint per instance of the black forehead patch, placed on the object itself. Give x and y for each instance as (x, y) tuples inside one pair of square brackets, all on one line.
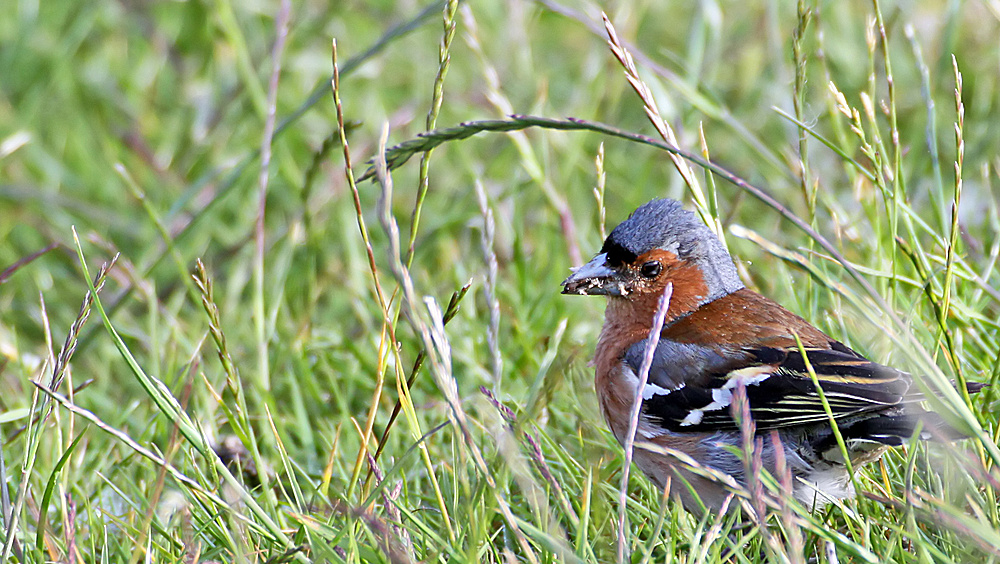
[(616, 253), (660, 224)]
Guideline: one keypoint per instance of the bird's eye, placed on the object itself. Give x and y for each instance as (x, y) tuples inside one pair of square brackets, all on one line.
[(651, 269)]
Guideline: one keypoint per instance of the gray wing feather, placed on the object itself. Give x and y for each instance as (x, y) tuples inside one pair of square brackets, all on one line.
[(676, 365)]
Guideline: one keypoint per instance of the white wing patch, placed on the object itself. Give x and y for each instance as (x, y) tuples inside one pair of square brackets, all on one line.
[(651, 389), (722, 397), (646, 430)]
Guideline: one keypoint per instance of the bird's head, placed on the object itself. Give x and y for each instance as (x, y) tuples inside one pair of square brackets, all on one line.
[(660, 242)]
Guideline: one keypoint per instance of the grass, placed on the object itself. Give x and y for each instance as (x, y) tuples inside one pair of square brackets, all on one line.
[(403, 380)]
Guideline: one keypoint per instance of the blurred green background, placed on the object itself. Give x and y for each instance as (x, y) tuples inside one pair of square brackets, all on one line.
[(140, 124)]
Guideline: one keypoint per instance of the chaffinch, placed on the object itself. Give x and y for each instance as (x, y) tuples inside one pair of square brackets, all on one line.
[(718, 336)]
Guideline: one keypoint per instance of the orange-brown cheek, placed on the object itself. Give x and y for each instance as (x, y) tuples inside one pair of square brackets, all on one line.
[(689, 284)]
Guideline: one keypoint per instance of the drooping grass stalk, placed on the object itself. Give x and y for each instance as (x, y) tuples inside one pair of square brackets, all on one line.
[(931, 133), (490, 288), (237, 412), (428, 324), (666, 132), (373, 270), (12, 513), (831, 420), (235, 37), (634, 413), (388, 325), (418, 363), (799, 92), (528, 158), (700, 98), (396, 156), (953, 237), (10, 270), (260, 315), (599, 190), (437, 99), (711, 190), (450, 9), (898, 180)]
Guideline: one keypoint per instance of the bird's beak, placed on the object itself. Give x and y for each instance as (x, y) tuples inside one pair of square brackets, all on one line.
[(595, 278)]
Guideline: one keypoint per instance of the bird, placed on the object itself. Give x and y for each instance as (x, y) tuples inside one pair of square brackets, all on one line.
[(719, 339)]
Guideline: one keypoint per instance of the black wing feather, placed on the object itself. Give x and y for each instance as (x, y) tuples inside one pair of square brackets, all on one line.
[(781, 393)]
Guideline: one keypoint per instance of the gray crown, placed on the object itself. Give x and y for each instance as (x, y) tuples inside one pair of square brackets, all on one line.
[(665, 224)]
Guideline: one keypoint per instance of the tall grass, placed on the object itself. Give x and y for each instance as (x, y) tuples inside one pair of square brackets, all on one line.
[(298, 344)]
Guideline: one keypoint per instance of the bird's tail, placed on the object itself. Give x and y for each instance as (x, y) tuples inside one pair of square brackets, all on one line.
[(893, 430), (916, 396)]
